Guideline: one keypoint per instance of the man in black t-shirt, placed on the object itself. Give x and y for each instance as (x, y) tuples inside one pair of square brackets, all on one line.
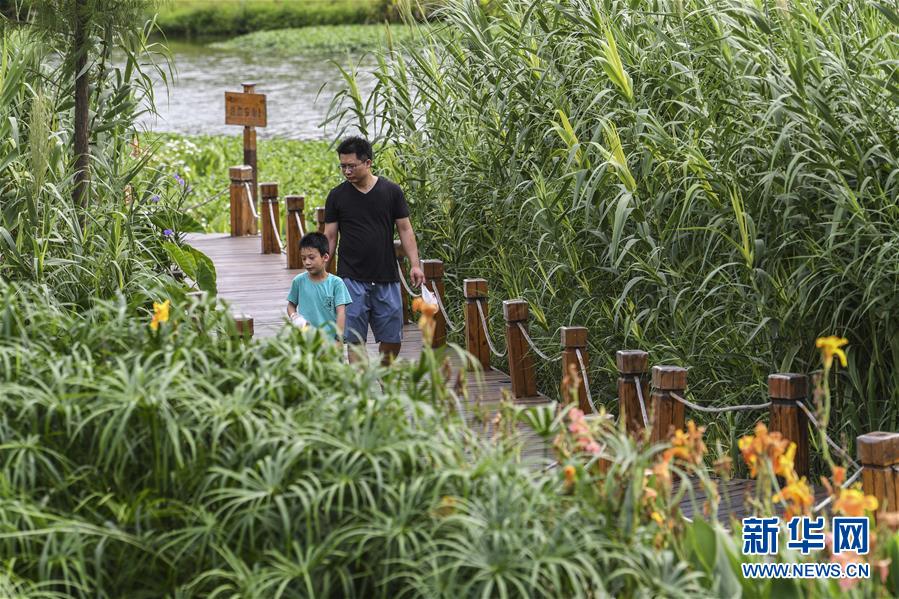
[(364, 209)]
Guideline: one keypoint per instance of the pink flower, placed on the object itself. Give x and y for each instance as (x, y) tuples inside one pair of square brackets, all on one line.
[(593, 447), (575, 415), (579, 428)]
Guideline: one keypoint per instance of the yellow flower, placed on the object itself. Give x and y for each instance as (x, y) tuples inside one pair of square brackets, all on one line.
[(785, 464), (160, 314), (853, 502), (659, 519), (830, 347)]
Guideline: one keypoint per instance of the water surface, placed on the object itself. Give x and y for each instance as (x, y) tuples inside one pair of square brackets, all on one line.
[(299, 89)]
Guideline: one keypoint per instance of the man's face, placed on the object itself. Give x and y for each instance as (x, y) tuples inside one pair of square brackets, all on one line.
[(353, 169)]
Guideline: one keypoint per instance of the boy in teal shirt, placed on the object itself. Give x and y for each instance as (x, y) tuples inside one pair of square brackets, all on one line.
[(316, 296)]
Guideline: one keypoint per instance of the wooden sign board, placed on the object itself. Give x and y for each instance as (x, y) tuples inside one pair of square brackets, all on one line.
[(245, 109)]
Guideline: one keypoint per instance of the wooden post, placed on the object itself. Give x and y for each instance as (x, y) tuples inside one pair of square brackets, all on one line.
[(401, 264), (295, 206), (320, 219), (668, 413), (270, 231), (785, 416), (239, 175), (521, 363), (632, 363), (878, 453), (433, 270), (474, 291), (244, 325), (574, 339), (249, 148)]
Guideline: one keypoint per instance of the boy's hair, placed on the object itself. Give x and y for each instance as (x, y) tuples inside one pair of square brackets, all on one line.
[(315, 240), (356, 145)]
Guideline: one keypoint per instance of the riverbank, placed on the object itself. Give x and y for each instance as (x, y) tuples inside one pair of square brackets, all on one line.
[(330, 39), (218, 18), (306, 167)]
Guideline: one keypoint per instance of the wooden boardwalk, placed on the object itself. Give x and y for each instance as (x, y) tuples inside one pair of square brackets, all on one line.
[(257, 284)]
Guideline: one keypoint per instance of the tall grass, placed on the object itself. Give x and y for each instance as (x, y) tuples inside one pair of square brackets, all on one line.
[(714, 182)]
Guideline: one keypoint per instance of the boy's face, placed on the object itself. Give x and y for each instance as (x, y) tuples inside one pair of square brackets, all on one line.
[(313, 261)]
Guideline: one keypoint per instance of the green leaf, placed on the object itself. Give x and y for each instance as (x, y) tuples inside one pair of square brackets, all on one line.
[(704, 546), (184, 259)]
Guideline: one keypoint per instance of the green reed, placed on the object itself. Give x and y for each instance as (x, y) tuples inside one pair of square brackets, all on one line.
[(714, 182)]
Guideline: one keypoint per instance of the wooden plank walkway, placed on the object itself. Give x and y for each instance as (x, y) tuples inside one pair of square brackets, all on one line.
[(257, 284)]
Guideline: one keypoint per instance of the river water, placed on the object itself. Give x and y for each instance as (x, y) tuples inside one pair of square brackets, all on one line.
[(298, 90)]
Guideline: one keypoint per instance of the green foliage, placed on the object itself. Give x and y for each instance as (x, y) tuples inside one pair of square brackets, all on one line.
[(306, 167), (325, 39), (217, 18), (188, 462), (713, 182)]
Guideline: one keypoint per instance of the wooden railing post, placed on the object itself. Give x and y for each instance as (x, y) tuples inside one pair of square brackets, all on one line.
[(401, 264), (668, 413), (632, 364), (521, 363), (574, 339), (240, 176), (878, 454), (785, 416), (320, 219), (433, 270), (244, 325), (295, 206), (269, 202), (474, 291)]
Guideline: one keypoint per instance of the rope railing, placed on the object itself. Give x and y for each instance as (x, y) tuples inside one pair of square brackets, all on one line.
[(408, 289), (827, 438), (250, 200), (211, 198), (487, 332), (639, 386), (580, 361), (449, 323), (740, 408), (277, 236), (824, 503), (534, 346), (296, 216)]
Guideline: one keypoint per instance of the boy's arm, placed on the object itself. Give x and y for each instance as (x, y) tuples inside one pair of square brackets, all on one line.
[(291, 309)]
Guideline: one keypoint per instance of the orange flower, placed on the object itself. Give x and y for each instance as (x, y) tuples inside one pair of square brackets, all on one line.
[(853, 502), (839, 475), (687, 446), (570, 474), (761, 445), (784, 465), (417, 304), (798, 498)]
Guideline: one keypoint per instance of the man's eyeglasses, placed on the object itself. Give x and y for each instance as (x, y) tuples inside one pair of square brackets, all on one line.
[(350, 167)]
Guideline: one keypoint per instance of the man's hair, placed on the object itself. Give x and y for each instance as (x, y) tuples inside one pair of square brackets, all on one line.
[(356, 145), (316, 241)]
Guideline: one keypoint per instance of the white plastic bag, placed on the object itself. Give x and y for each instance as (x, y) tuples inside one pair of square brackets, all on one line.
[(428, 297)]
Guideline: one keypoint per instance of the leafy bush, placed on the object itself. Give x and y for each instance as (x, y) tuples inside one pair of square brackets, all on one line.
[(713, 182), (300, 167), (326, 39)]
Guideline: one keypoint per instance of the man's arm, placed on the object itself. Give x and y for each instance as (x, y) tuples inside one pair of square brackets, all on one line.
[(331, 234), (340, 323), (410, 248), (291, 310)]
